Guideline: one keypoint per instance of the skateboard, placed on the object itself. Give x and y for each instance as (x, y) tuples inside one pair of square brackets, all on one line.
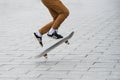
[(64, 40)]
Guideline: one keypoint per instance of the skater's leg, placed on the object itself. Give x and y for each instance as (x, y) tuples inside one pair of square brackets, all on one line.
[(53, 13), (46, 28), (58, 11), (62, 12)]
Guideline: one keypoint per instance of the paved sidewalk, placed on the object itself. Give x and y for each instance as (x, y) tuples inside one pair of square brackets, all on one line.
[(94, 52)]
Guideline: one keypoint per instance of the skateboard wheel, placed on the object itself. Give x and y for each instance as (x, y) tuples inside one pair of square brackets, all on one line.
[(67, 42)]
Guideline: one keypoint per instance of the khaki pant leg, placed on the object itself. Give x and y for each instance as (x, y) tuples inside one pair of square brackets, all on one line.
[(59, 13)]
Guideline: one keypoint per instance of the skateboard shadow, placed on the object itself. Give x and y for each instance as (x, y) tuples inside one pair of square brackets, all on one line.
[(47, 62), (59, 62)]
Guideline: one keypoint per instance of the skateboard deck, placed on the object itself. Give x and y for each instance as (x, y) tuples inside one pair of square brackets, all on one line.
[(55, 45)]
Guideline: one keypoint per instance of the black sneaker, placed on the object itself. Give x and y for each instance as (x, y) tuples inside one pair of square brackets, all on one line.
[(39, 39), (55, 35)]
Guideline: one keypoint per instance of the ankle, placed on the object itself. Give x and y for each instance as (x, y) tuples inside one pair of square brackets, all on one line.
[(51, 31), (38, 34)]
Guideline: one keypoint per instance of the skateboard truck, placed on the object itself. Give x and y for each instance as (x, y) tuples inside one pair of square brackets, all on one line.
[(67, 42)]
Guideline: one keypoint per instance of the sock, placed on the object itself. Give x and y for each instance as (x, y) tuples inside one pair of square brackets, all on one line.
[(39, 34), (51, 31)]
